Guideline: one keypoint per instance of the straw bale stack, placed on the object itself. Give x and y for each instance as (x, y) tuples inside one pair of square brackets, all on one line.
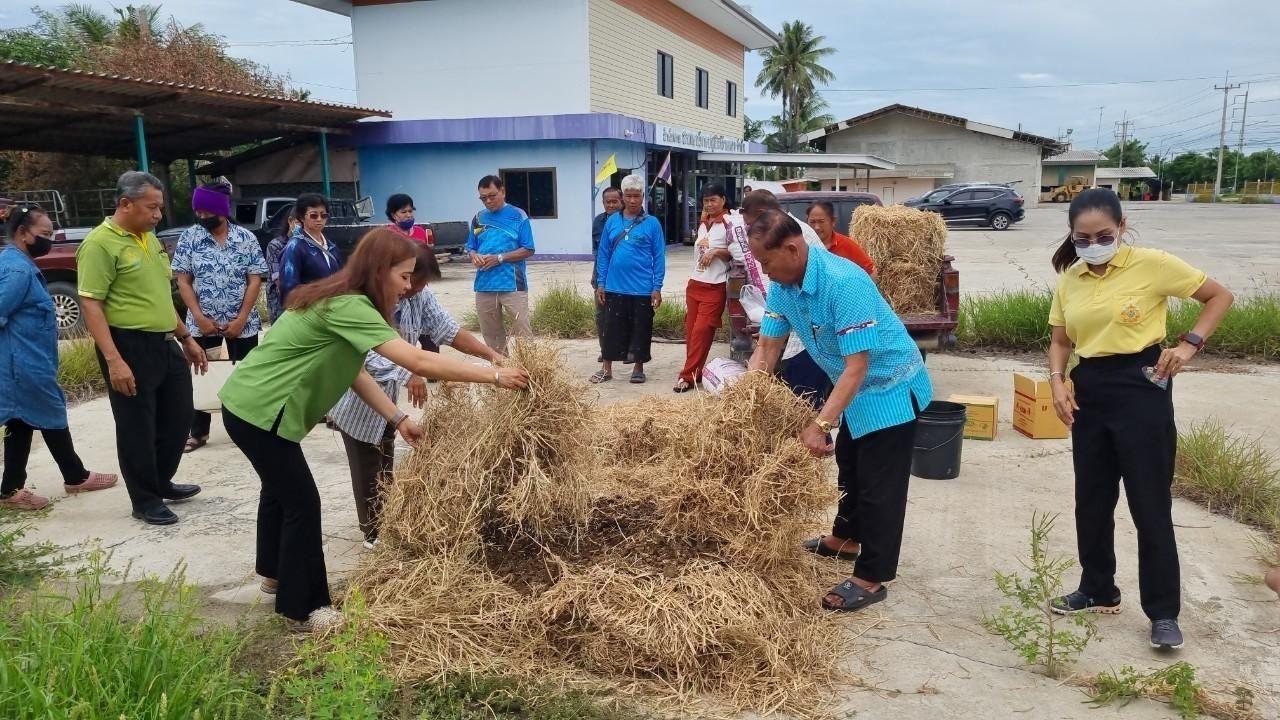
[(907, 246)]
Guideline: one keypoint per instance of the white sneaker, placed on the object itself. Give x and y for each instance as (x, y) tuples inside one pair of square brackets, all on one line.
[(321, 619), (371, 544)]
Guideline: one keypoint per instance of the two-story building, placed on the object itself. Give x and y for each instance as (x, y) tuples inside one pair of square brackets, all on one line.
[(544, 94)]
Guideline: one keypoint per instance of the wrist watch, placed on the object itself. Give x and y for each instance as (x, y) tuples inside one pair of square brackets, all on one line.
[(501, 258), (1192, 339), (824, 425)]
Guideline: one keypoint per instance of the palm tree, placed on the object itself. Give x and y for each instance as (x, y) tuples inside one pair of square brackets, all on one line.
[(793, 70), (808, 114)]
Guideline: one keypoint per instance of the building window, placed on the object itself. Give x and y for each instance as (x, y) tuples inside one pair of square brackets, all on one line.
[(703, 83), (666, 75), (533, 190), (731, 102)]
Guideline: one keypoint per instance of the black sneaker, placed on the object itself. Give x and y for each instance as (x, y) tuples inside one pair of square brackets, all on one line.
[(1165, 635), (1077, 601)]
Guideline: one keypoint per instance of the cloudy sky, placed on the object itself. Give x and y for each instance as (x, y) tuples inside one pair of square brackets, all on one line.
[(1047, 66)]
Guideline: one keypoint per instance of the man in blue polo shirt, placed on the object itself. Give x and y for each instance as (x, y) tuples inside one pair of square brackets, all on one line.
[(498, 244), (880, 385)]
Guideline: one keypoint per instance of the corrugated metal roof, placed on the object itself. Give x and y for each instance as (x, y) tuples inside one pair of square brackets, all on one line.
[(1075, 157), (74, 111), (1128, 173)]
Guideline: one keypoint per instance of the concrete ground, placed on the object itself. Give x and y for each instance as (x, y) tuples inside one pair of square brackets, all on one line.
[(923, 653)]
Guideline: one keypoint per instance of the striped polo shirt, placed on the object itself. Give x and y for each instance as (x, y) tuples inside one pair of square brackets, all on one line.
[(837, 311)]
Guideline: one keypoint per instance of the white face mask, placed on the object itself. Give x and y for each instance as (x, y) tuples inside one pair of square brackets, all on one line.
[(1098, 254)]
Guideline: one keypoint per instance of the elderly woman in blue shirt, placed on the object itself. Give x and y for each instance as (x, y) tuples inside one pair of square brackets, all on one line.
[(32, 400), (880, 384), (631, 266)]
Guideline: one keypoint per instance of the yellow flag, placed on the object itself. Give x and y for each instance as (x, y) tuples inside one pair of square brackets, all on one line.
[(610, 167)]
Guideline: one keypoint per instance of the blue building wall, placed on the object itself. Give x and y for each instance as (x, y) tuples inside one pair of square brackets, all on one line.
[(442, 178)]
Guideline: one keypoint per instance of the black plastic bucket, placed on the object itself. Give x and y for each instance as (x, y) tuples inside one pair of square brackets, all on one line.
[(939, 438)]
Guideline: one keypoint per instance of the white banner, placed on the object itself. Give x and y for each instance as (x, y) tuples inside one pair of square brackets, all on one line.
[(696, 139)]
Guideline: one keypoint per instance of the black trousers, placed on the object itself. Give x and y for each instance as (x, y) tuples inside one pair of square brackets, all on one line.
[(17, 449), (290, 546), (628, 327), (371, 467), (806, 379), (237, 350), (151, 426), (428, 344), (875, 471), (1124, 432)]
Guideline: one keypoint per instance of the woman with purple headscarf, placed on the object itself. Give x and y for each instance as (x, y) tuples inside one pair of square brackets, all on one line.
[(220, 269)]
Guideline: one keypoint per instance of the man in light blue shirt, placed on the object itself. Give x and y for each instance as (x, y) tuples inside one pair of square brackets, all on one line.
[(880, 386), (500, 240)]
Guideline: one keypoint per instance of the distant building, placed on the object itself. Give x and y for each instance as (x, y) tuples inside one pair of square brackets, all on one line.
[(1060, 168), (932, 149), (544, 93)]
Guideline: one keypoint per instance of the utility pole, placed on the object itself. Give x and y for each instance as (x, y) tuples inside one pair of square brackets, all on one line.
[(1244, 115), (1098, 141), (1123, 130), (1226, 89)]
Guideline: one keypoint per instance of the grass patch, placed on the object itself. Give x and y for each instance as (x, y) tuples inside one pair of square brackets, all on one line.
[(564, 312), (88, 657), (1230, 475), (78, 371), (1019, 320), (469, 697), (668, 321), (1012, 319), (22, 564)]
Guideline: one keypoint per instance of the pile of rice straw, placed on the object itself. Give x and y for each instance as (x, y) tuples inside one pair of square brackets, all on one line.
[(907, 246), (652, 547)]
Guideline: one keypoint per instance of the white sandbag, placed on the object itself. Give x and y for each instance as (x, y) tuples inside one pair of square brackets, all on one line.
[(720, 373)]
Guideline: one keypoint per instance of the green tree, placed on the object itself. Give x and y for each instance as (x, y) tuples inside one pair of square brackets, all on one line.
[(1135, 154), (793, 70), (807, 115), (752, 130), (1189, 167)]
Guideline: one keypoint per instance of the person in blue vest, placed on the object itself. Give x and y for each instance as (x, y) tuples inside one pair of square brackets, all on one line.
[(30, 398), (880, 385), (309, 256), (631, 266), (500, 241)]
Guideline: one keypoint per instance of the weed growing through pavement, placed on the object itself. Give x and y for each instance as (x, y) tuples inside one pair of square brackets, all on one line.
[(668, 321), (21, 564), (1231, 475), (564, 312), (1175, 685), (1040, 636), (78, 370)]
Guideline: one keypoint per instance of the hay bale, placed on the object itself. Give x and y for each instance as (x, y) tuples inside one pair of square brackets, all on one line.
[(653, 545), (907, 246)]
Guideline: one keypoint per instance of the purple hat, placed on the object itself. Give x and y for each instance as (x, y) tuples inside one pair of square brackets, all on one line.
[(215, 200)]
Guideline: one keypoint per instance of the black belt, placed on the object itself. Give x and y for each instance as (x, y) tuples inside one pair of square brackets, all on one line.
[(144, 333)]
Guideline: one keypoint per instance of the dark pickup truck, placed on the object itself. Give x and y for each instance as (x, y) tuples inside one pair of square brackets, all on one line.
[(932, 331)]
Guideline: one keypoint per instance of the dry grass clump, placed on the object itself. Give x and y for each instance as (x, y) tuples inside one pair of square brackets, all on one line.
[(907, 246), (654, 546)]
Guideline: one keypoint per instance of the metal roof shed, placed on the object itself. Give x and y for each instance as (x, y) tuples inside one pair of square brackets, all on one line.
[(839, 161), (48, 109)]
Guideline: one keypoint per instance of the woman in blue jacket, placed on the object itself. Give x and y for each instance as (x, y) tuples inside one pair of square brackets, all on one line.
[(29, 355), (309, 256)]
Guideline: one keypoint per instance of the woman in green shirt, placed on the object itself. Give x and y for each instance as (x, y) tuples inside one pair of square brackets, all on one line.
[(312, 355)]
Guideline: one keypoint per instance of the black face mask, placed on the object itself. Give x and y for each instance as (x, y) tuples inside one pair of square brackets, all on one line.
[(210, 223), (40, 246)]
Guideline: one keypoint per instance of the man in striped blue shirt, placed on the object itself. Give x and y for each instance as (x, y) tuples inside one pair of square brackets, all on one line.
[(880, 385)]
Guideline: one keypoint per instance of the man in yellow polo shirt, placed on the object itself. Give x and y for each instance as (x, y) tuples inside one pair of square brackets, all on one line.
[(124, 283)]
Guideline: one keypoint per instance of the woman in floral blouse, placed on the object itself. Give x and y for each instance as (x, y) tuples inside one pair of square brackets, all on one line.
[(220, 268)]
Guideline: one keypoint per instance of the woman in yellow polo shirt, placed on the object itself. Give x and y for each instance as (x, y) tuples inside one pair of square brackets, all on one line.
[(1110, 304)]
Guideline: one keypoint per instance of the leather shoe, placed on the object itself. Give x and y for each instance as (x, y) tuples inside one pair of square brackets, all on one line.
[(181, 492), (159, 515)]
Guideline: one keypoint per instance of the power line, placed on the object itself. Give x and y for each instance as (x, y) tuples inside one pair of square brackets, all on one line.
[(1267, 77)]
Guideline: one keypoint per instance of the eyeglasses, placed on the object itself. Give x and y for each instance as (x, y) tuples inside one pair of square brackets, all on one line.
[(488, 197), (318, 216), (1084, 242)]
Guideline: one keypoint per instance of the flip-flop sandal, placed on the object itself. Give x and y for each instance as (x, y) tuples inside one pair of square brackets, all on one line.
[(637, 378), (817, 547), (682, 386), (854, 597), (194, 444), (600, 377)]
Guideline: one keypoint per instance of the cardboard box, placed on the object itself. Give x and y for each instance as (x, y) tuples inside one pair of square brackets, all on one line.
[(1033, 413), (982, 416)]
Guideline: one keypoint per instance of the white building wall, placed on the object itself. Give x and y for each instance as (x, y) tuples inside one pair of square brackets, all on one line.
[(464, 58), (975, 157), (624, 78)]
